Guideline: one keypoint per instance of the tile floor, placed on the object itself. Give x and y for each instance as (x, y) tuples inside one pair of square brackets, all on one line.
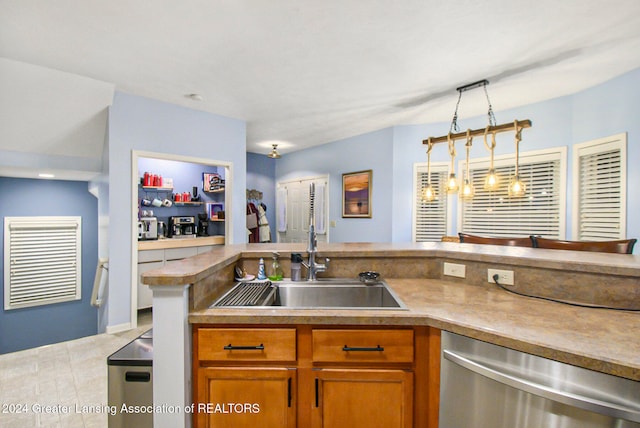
[(62, 375)]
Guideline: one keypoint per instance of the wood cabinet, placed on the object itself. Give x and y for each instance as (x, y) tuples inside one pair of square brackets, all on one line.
[(237, 397), (373, 385), (363, 398), (246, 377), (316, 376)]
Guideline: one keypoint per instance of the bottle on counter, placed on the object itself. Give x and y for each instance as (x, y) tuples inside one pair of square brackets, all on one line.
[(275, 271), (261, 274), (296, 266)]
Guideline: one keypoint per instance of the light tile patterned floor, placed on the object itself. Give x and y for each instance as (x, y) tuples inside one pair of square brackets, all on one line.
[(63, 376)]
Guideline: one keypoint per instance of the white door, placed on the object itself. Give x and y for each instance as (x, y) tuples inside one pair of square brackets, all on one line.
[(293, 217)]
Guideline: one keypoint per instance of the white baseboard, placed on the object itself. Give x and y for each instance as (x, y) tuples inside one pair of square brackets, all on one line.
[(113, 329)]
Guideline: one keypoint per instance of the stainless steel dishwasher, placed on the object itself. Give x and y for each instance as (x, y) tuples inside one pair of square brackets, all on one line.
[(130, 383), (489, 386)]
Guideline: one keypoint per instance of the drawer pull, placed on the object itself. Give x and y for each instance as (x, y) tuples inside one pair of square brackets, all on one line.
[(378, 348), (230, 347)]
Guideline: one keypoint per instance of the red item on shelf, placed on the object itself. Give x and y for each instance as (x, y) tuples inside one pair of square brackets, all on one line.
[(178, 197), (146, 181)]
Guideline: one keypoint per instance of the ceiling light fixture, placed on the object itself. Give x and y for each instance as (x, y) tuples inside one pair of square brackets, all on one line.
[(428, 193), (516, 187), (45, 175), (274, 152)]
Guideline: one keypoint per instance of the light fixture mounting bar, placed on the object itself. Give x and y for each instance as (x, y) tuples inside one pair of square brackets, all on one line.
[(470, 86), (505, 127)]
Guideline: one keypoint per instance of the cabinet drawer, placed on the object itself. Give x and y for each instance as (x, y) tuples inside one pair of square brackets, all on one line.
[(239, 344), (380, 346)]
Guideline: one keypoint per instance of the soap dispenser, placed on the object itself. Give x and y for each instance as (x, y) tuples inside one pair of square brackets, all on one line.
[(275, 271), (261, 274)]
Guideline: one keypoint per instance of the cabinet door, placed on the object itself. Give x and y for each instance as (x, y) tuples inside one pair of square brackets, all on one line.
[(145, 296), (357, 398), (246, 397)]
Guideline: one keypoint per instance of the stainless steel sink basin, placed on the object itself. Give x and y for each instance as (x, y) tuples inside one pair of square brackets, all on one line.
[(320, 294)]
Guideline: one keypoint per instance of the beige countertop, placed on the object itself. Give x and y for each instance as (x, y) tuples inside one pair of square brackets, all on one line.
[(605, 340), (161, 244)]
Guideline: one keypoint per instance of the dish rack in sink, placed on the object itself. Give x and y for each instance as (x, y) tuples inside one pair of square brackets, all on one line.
[(251, 293)]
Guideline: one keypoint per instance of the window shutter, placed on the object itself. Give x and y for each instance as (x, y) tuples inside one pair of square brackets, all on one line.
[(600, 203), (539, 212), (430, 218), (42, 260)]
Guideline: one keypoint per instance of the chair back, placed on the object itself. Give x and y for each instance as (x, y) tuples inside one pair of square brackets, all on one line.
[(624, 246), (513, 242)]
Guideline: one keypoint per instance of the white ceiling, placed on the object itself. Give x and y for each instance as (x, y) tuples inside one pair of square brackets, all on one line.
[(304, 73)]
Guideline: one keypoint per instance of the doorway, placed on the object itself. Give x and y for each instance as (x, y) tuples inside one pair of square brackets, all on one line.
[(292, 205)]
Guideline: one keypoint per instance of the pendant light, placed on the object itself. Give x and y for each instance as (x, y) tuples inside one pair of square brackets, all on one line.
[(428, 194), (452, 182), (516, 187), (492, 180), (467, 189), (274, 153)]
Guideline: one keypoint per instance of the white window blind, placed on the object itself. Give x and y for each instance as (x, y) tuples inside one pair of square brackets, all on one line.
[(599, 203), (41, 260), (540, 212), (430, 218)]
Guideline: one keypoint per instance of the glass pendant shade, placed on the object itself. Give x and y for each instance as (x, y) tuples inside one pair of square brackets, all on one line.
[(516, 187), (428, 193), (452, 183), (467, 191), (492, 180)]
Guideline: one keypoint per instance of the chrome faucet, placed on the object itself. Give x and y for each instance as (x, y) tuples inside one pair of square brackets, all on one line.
[(312, 267)]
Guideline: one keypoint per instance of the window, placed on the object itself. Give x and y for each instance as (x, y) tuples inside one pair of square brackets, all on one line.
[(42, 260), (430, 218), (599, 202), (540, 212)]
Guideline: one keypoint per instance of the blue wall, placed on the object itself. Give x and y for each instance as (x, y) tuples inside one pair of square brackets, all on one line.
[(373, 151), (609, 108), (41, 325), (261, 175), (137, 123)]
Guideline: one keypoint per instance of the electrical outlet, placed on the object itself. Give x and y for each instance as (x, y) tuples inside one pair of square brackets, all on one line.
[(332, 223), (505, 277), (453, 269)]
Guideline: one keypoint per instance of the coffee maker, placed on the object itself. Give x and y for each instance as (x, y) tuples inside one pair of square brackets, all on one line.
[(203, 225), (182, 227)]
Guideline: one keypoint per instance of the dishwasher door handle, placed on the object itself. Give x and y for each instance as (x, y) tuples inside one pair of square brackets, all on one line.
[(575, 400)]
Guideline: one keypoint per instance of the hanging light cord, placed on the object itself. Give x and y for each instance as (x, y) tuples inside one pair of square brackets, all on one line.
[(454, 122), (429, 147), (468, 145), (491, 146), (452, 151), (491, 116), (518, 137)]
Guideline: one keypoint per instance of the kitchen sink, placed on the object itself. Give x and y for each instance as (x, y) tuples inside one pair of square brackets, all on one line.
[(320, 294)]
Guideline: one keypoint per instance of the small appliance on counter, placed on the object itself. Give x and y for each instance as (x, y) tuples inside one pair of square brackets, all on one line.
[(147, 228), (182, 227), (203, 224)]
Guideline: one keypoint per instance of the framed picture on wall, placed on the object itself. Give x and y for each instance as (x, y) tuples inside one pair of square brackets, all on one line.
[(356, 194)]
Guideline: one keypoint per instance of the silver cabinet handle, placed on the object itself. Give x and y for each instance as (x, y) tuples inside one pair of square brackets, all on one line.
[(580, 401)]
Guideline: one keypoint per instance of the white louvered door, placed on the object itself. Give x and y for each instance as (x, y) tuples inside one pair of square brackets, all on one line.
[(42, 260)]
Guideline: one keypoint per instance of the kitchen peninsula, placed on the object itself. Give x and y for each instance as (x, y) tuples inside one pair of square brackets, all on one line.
[(603, 340)]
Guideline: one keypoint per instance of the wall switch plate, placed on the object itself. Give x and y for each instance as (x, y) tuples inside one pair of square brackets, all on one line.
[(453, 269), (332, 223), (505, 277)]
